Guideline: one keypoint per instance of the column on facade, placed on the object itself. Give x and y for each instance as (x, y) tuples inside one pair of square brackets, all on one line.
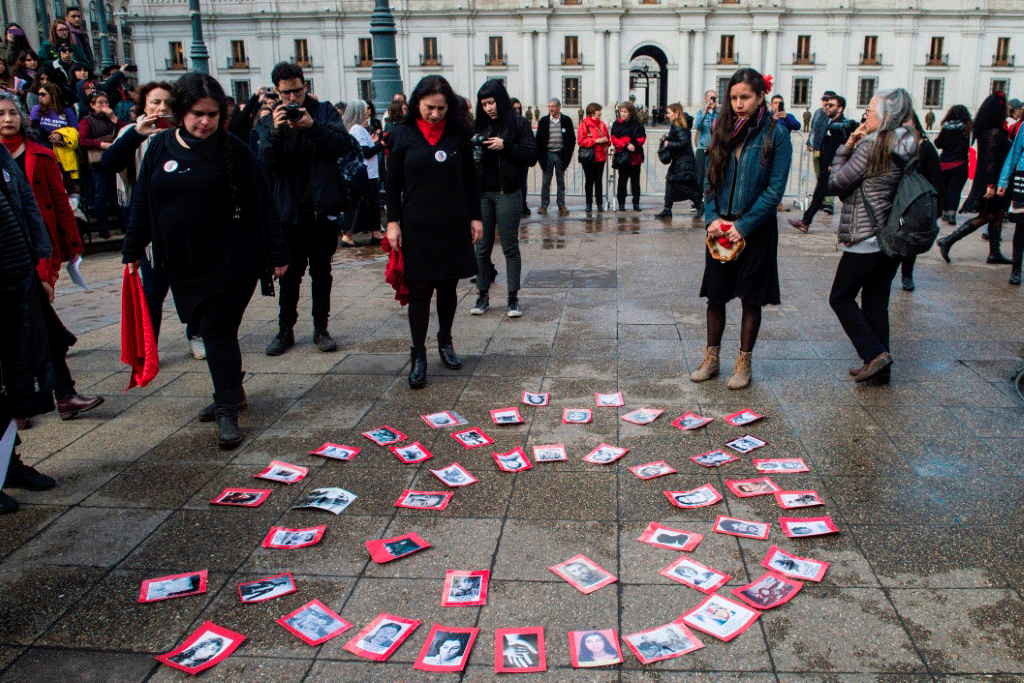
[(544, 91), (907, 71), (528, 90), (970, 54), (756, 37), (771, 60), (684, 67), (616, 93), (600, 90), (698, 86)]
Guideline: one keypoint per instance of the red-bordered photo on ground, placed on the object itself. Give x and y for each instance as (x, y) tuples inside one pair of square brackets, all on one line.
[(747, 488), (446, 649), (465, 588), (550, 453), (531, 399), (690, 421), (248, 498), (605, 454), (455, 475), (797, 499), (787, 564), (444, 418), (671, 539), (472, 438), (385, 436), (381, 637), (769, 591), (594, 648), (584, 574), (609, 400), (314, 623), (642, 416), (721, 617), (715, 458), (650, 470), (700, 497), (513, 461), (267, 588), (743, 417), (577, 416), (424, 500), (506, 416), (387, 549), (781, 465), (662, 642), (695, 575), (336, 451), (732, 526), (519, 650), (283, 472), (280, 537), (209, 645), (174, 586), (800, 527), (411, 453), (746, 443)]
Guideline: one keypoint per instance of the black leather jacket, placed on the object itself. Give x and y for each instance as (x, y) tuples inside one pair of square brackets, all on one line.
[(517, 155)]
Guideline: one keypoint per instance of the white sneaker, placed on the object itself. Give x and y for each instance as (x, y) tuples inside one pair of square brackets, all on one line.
[(197, 347)]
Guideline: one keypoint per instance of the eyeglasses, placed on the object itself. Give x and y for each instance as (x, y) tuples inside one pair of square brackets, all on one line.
[(292, 91), (870, 111)]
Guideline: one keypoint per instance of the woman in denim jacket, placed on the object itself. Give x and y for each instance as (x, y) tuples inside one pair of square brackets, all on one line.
[(1014, 163), (748, 165)]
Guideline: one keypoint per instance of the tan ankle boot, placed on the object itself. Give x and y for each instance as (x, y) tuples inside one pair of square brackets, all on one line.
[(708, 367), (741, 372)]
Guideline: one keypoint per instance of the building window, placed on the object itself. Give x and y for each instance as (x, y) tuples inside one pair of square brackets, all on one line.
[(238, 59), (571, 91), (309, 87), (866, 90), (801, 92), (365, 52), (803, 50), (1002, 56), (240, 91), (935, 56), (301, 52), (727, 55), (365, 89), (1000, 85), (572, 50), (495, 51), (933, 92), (870, 54), (430, 52), (177, 58), (723, 89)]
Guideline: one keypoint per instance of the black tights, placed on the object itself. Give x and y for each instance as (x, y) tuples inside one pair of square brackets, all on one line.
[(749, 325), (420, 292), (217, 320)]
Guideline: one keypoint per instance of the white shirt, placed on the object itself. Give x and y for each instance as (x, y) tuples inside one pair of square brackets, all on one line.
[(362, 136)]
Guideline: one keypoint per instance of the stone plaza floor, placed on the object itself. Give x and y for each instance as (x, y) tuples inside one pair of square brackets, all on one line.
[(923, 477)]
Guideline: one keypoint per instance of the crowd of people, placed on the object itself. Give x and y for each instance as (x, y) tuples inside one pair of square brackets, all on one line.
[(215, 199)]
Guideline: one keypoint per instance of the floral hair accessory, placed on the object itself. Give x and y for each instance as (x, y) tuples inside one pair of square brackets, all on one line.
[(768, 82)]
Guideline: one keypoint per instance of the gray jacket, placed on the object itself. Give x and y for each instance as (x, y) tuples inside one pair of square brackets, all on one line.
[(849, 174)]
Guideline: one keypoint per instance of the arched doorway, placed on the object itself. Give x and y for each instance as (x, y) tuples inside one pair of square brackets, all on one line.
[(648, 78)]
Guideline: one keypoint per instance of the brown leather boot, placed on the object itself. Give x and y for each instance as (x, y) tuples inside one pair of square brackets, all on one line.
[(708, 367), (741, 372)]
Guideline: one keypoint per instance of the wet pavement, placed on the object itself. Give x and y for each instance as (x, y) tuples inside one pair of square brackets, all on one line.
[(923, 478)]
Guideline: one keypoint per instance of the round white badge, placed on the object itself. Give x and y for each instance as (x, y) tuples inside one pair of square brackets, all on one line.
[(7, 176), (440, 155), (171, 166)]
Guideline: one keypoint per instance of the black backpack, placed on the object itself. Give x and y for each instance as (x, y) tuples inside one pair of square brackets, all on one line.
[(912, 225)]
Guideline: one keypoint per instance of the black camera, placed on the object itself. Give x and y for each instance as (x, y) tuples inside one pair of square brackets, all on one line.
[(478, 147), (293, 112)]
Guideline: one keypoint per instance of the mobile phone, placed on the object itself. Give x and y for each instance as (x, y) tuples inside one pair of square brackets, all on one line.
[(163, 122)]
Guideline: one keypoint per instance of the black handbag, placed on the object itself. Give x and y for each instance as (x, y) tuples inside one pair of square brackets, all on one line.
[(1017, 186), (621, 159), (586, 155), (664, 154)]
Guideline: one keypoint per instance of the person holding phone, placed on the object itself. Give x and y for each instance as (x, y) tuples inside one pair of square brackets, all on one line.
[(702, 126)]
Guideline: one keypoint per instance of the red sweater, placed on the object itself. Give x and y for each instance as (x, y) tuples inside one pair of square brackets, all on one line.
[(635, 158), (591, 130)]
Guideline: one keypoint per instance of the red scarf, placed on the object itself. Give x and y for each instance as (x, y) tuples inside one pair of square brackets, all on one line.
[(13, 143), (431, 131)]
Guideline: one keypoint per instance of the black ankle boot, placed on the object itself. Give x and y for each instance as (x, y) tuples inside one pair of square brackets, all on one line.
[(449, 358), (209, 413), (228, 433), (417, 367), (995, 254), (1018, 257), (665, 213), (636, 204), (946, 242)]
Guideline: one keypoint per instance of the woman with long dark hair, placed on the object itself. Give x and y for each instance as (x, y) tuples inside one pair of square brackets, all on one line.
[(993, 146), (51, 113), (865, 174), (16, 42), (1014, 164), (593, 133), (96, 131), (25, 68), (203, 200), (748, 166), (628, 135), (954, 139), (434, 213), (60, 34), (681, 177)]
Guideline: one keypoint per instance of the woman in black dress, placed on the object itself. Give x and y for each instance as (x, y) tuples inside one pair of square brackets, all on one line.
[(681, 177), (434, 213), (748, 166), (203, 200)]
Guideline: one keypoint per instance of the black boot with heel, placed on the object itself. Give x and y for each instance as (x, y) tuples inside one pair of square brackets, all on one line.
[(417, 367)]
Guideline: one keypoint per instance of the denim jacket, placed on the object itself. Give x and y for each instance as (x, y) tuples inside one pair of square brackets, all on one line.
[(703, 124), (755, 191), (1014, 161)]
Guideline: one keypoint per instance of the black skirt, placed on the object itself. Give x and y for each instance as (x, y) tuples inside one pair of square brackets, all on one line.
[(753, 277), (680, 192)]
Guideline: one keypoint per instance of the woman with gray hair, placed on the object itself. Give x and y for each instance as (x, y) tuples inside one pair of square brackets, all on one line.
[(865, 174), (365, 215)]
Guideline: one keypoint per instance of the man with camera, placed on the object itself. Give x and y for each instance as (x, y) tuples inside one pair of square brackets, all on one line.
[(702, 126), (299, 143)]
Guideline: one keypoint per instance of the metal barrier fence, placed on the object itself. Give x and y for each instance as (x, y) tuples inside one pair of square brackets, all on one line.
[(652, 178)]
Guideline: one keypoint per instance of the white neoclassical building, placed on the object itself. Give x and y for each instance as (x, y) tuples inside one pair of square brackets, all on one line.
[(660, 51)]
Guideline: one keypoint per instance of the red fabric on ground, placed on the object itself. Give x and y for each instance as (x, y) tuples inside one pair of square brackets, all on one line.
[(138, 343)]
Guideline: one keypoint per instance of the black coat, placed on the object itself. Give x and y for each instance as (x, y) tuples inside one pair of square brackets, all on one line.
[(517, 155), (683, 168), (568, 140)]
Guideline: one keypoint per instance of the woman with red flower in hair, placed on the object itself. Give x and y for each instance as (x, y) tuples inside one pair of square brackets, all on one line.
[(748, 165)]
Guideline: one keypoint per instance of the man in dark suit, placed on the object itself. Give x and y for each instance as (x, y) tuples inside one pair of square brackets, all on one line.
[(556, 139)]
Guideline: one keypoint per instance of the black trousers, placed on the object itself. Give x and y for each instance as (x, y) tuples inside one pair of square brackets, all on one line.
[(818, 198), (217, 318), (631, 175), (593, 181), (60, 341), (954, 179), (867, 325), (420, 292), (312, 242)]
